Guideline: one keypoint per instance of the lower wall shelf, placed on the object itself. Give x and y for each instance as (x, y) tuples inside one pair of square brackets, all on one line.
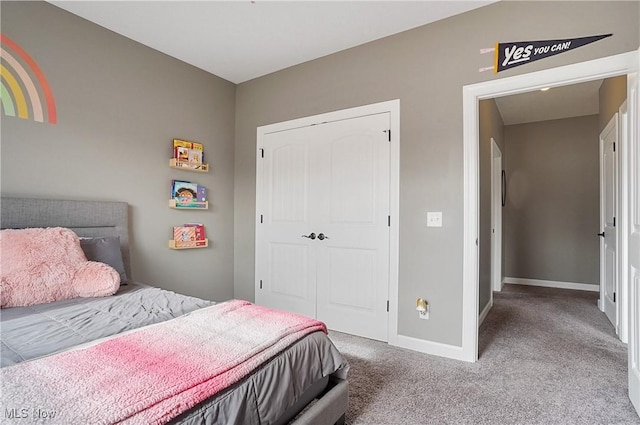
[(193, 205), (188, 244)]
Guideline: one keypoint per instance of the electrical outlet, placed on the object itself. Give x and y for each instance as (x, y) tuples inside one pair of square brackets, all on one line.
[(424, 314)]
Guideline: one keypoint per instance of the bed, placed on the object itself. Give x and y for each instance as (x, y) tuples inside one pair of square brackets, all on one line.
[(305, 383)]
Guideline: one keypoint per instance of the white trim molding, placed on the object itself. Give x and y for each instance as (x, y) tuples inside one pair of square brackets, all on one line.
[(485, 311), (624, 140), (593, 287), (429, 347)]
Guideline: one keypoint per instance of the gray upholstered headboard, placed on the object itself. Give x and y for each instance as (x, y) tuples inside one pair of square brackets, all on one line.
[(86, 218)]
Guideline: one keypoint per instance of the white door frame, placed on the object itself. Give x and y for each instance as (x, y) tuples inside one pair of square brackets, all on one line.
[(393, 108), (623, 225), (496, 216), (631, 236), (610, 66)]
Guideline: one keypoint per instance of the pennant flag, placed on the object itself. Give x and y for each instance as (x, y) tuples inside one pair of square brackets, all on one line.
[(510, 55)]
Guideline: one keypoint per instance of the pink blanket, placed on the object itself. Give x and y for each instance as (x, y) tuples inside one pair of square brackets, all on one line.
[(155, 373)]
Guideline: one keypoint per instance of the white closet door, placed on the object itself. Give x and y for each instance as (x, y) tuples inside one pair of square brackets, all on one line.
[(285, 260), (322, 245), (353, 263)]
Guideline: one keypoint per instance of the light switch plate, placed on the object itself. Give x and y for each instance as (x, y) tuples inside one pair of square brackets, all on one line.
[(434, 219)]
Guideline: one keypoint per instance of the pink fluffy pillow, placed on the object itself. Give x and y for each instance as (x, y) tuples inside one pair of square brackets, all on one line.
[(44, 265)]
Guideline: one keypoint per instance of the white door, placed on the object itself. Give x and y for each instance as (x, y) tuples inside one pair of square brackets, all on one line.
[(353, 262), (322, 238), (608, 234), (286, 261), (634, 241), (496, 216)]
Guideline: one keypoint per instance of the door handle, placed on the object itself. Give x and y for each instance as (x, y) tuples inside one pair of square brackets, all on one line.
[(311, 236), (322, 237), (601, 234)]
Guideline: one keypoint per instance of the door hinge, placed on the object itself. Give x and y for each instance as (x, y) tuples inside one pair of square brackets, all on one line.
[(614, 146), (389, 221), (388, 134), (260, 283), (261, 153), (387, 306), (261, 219), (614, 222), (614, 297)]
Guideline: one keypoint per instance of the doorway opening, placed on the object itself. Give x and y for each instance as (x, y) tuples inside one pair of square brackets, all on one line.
[(551, 214), (622, 64), (586, 71)]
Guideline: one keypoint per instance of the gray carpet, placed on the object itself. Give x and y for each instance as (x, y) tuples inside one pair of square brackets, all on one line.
[(547, 356)]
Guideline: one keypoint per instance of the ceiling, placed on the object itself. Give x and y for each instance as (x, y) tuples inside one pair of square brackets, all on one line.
[(242, 40), (559, 102)]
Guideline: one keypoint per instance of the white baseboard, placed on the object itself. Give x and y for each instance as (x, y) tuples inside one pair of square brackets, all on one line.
[(429, 347), (553, 284), (485, 311)]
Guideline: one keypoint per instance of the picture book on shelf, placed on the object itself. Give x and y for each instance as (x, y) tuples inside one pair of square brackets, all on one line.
[(184, 192), (188, 194), (182, 154), (184, 234), (189, 235), (188, 154), (201, 193), (199, 229), (195, 156)]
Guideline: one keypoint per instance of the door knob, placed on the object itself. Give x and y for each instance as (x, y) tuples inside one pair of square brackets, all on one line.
[(311, 236), (322, 237), (601, 234)]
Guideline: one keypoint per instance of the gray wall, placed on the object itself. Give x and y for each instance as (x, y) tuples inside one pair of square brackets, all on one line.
[(552, 211), (491, 126), (426, 69), (120, 104), (613, 93)]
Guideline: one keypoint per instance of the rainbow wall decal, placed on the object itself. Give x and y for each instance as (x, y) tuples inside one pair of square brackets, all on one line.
[(18, 92)]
